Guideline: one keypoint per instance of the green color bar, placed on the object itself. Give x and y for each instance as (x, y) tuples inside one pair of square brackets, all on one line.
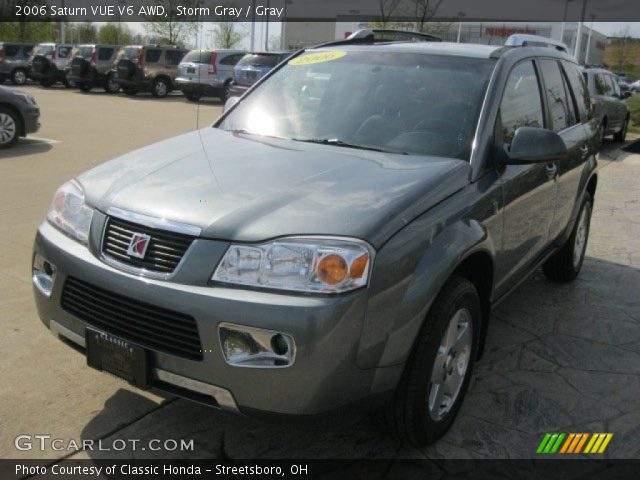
[(555, 448), (552, 440), (543, 443)]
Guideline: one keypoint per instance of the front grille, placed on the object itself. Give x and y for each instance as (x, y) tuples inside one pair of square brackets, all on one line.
[(163, 254), (147, 325)]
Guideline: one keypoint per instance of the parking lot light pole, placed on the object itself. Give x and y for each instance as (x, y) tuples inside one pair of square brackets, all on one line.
[(586, 56), (460, 15)]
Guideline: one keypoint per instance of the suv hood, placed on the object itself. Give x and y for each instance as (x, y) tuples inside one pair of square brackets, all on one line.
[(249, 188)]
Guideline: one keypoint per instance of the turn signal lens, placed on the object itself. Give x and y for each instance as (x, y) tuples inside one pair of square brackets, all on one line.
[(359, 266), (332, 269)]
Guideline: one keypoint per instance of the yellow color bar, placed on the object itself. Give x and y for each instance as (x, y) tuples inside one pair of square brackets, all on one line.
[(606, 441), (593, 440)]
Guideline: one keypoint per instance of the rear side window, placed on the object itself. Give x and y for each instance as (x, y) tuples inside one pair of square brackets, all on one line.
[(130, 53), (521, 103), (580, 90), (11, 50), (152, 55), (602, 87), (560, 104), (105, 53), (231, 59), (173, 57), (64, 52)]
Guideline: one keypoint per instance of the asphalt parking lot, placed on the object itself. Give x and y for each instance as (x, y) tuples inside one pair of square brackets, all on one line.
[(559, 358)]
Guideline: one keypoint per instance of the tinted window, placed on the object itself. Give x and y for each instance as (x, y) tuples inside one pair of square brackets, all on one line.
[(231, 59), (11, 50), (602, 86), (259, 60), (105, 53), (580, 90), (152, 55), (173, 57), (130, 53), (557, 99), (521, 103), (400, 102)]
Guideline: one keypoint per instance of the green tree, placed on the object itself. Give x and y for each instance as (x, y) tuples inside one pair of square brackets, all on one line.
[(85, 32), (227, 34), (115, 34), (173, 29)]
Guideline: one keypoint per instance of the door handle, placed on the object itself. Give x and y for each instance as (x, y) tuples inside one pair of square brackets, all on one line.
[(551, 170), (584, 150)]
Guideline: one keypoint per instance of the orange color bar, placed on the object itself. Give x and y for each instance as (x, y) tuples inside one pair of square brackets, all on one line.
[(574, 443), (584, 439), (567, 443)]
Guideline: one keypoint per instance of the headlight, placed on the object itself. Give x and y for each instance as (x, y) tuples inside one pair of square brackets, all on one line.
[(27, 98), (299, 264), (69, 213)]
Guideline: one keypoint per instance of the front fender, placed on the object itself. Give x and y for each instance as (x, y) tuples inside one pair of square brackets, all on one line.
[(409, 272)]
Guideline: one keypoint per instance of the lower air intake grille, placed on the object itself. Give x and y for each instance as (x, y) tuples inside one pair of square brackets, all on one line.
[(150, 326)]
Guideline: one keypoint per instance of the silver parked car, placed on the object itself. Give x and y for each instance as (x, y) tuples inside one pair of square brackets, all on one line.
[(207, 73), (611, 111), (14, 62), (19, 115), (49, 63)]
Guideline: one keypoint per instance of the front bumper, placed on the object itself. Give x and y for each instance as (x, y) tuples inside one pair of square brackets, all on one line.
[(188, 86), (31, 120), (326, 330)]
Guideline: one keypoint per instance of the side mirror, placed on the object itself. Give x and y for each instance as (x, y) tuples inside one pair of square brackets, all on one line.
[(231, 101), (534, 145)]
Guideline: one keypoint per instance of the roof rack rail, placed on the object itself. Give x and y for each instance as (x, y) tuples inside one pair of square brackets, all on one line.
[(523, 40), (374, 35)]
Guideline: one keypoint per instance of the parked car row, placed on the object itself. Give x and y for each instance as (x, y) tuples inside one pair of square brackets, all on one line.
[(158, 69)]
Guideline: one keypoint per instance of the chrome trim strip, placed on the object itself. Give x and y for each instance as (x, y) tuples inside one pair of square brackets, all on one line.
[(59, 330), (222, 396), (154, 222)]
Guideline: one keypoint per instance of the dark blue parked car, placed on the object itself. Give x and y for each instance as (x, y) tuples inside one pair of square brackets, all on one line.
[(252, 67)]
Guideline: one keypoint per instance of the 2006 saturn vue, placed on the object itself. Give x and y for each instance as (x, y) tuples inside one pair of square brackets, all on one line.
[(338, 237)]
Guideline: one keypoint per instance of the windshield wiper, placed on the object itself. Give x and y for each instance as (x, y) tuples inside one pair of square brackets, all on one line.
[(341, 143), (242, 131)]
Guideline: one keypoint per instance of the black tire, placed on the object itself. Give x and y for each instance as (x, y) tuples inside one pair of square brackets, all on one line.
[(192, 97), (160, 88), (603, 129), (408, 416), (19, 76), (84, 86), (110, 85), (130, 91), (68, 83), (10, 127), (621, 136), (224, 95), (46, 83), (564, 266)]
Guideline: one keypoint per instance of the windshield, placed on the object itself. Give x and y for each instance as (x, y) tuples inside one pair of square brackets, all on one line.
[(259, 60), (398, 102), (44, 50)]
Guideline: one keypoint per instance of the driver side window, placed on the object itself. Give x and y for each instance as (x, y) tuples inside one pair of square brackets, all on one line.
[(521, 103)]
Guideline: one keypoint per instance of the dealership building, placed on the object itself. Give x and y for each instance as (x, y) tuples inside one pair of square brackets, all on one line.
[(304, 34)]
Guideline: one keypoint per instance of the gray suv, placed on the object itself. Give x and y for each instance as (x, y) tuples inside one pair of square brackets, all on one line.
[(339, 236), (147, 68), (611, 111), (14, 62), (91, 66), (207, 73)]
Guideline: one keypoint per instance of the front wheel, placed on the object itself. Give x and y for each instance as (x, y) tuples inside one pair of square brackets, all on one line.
[(437, 374), (110, 85), (224, 95), (8, 128), (565, 265)]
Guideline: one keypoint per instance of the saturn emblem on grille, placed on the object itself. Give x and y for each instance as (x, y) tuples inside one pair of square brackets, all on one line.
[(138, 245)]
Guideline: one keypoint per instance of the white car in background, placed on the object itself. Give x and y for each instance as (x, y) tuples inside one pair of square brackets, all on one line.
[(635, 86)]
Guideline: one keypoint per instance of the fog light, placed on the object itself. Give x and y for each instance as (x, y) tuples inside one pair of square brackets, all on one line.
[(44, 274), (255, 347)]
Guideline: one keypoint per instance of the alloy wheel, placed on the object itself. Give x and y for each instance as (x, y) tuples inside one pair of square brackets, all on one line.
[(161, 88), (451, 364), (7, 128), (20, 77), (581, 238)]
